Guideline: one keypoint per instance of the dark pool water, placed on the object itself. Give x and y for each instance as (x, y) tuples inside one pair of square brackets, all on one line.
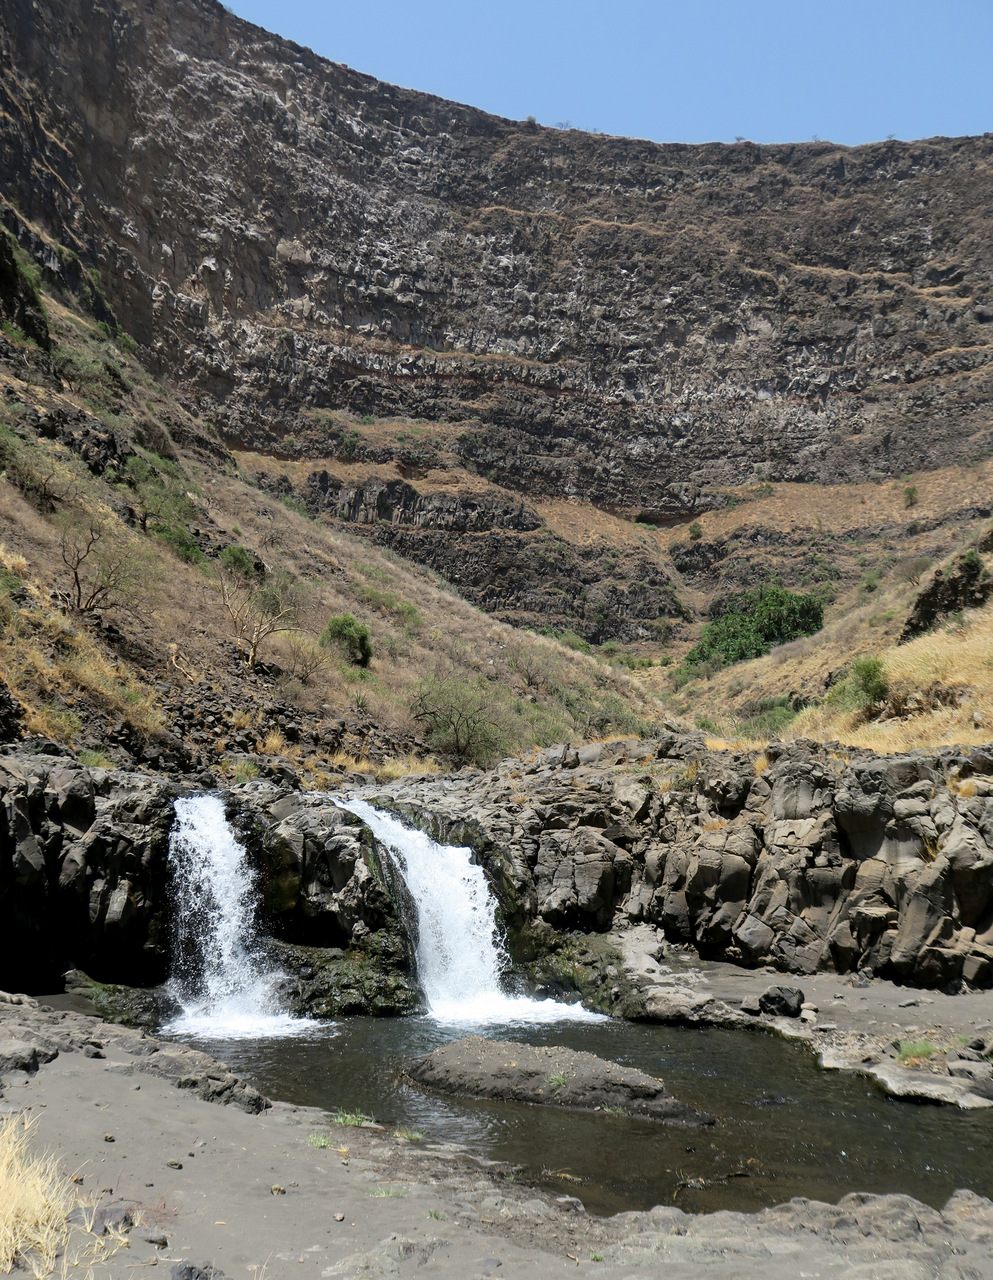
[(784, 1127)]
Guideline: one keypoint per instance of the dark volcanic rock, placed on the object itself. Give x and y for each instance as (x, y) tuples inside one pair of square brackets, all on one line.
[(781, 1002), (967, 585), (634, 324), (11, 715), (867, 863), (548, 1076)]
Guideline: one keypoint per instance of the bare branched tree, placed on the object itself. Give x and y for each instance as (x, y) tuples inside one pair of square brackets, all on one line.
[(103, 571), (256, 610)]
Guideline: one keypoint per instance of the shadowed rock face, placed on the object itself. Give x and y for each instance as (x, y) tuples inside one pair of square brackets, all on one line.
[(85, 882), (549, 1076), (638, 324)]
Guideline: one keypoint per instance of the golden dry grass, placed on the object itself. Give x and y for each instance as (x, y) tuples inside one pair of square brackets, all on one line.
[(35, 1203), (953, 656)]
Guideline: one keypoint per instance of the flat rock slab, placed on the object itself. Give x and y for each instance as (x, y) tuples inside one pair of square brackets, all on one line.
[(549, 1076)]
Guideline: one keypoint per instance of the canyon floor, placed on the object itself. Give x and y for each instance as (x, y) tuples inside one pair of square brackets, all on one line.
[(289, 1192)]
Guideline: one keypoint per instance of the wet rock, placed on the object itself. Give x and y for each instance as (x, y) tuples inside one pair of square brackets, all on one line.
[(548, 1076)]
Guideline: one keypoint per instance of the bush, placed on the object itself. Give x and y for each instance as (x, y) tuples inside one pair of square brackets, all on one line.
[(749, 624), (180, 543), (910, 496), (695, 531), (237, 560), (868, 681), (345, 632), (459, 719)]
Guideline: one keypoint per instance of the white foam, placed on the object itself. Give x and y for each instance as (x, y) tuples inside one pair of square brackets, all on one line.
[(225, 986)]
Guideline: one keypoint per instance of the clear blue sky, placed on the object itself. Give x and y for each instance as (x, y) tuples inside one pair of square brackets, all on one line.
[(770, 70)]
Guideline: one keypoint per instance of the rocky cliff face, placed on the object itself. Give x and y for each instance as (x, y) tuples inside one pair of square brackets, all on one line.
[(805, 858), (85, 883), (638, 324)]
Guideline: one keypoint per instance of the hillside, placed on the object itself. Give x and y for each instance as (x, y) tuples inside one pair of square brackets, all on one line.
[(430, 362)]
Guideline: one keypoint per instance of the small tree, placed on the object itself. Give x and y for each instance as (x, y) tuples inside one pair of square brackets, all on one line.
[(910, 496), (345, 632), (103, 571), (696, 531), (869, 681), (256, 610), (459, 718)]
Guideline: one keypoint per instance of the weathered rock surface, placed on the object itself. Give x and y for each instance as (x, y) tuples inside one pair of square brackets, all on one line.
[(549, 1076), (85, 884), (83, 871), (812, 859), (31, 1034), (967, 585), (636, 324)]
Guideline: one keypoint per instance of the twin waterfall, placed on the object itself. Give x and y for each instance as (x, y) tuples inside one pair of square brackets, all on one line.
[(227, 989)]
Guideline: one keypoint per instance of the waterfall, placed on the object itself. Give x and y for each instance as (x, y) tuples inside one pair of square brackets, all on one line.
[(222, 981), (460, 956)]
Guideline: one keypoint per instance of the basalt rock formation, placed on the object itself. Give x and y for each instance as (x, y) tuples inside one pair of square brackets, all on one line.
[(638, 325), (85, 884), (807, 858)]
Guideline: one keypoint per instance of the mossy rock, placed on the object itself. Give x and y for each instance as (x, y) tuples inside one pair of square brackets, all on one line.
[(585, 964), (143, 1007), (369, 977)]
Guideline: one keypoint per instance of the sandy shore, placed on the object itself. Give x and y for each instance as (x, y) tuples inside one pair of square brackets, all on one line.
[(287, 1193)]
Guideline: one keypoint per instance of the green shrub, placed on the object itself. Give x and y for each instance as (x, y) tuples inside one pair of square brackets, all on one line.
[(180, 543), (345, 632), (237, 560), (749, 624), (869, 681), (460, 718), (910, 496), (695, 531), (568, 638)]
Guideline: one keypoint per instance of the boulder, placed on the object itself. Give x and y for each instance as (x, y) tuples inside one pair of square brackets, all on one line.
[(548, 1076), (781, 1002)]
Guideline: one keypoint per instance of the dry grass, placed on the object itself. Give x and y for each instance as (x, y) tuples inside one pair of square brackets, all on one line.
[(958, 656), (35, 1203), (51, 664), (405, 767)]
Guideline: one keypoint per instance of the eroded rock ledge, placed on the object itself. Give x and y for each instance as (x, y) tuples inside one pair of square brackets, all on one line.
[(806, 857)]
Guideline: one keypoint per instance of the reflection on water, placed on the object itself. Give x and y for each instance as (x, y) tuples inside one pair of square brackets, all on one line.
[(784, 1127)]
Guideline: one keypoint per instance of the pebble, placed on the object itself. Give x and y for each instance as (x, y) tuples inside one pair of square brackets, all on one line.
[(174, 1164)]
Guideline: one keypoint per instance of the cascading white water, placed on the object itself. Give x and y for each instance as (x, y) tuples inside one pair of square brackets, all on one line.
[(459, 956), (223, 983)]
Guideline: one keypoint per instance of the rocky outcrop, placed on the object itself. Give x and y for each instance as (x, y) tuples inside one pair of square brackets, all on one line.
[(968, 584), (548, 1076), (85, 884), (11, 715), (399, 503), (83, 872), (542, 581), (20, 303), (805, 858)]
